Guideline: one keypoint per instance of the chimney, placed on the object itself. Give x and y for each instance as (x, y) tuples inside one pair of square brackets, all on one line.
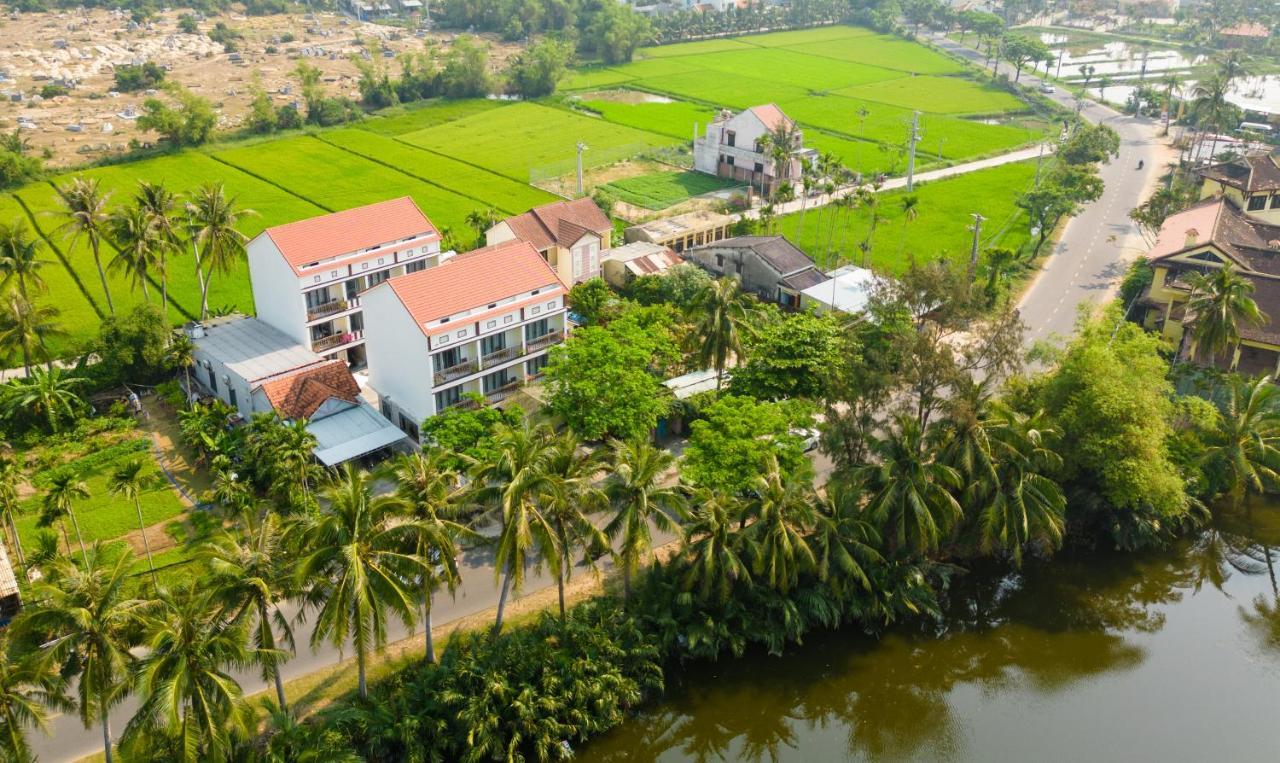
[(1193, 237)]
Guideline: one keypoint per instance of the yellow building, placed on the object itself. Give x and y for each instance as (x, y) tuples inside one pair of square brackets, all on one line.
[(570, 236), (1252, 182)]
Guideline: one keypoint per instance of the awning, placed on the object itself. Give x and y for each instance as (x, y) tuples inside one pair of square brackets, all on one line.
[(352, 433)]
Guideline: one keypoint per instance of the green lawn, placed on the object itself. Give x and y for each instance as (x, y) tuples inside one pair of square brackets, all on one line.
[(664, 189), (104, 516), (424, 114), (676, 119), (941, 227), (527, 137)]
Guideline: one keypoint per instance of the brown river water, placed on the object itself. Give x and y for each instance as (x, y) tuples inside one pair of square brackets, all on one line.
[(1169, 656)]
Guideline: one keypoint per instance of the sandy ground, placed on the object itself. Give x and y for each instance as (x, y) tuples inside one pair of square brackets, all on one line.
[(81, 49)]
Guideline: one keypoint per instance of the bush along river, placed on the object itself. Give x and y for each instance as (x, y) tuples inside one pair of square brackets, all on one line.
[(1166, 656)]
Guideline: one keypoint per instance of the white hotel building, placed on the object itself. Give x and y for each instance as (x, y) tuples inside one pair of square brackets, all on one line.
[(308, 275), (481, 322)]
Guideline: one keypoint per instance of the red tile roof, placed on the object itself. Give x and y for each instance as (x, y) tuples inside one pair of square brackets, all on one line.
[(319, 238), (560, 222), (475, 279), (299, 394), (1246, 29), (772, 116)]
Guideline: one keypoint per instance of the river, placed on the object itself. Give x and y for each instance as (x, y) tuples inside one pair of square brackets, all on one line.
[(1170, 656)]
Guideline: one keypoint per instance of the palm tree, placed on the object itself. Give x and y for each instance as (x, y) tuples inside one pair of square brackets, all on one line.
[(137, 246), (722, 314), (717, 553), (844, 541), (1245, 440), (48, 393), (1104, 82), (129, 481), (187, 696), (89, 624), (1000, 265), (1024, 506), (212, 217), (358, 568), (10, 477), (58, 503), (24, 326), (869, 200), (160, 206), (429, 488), (249, 579), (910, 211), (910, 502), (512, 482), (84, 204), (29, 687), (568, 498), (20, 259), (640, 502), (782, 507), (1212, 109), (1220, 305)]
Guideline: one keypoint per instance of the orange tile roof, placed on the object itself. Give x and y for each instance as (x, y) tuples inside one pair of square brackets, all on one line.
[(772, 116), (319, 238), (474, 279), (1246, 29), (298, 395), (560, 222)]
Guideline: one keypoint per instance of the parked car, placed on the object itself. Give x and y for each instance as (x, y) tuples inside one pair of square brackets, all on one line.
[(1045, 87)]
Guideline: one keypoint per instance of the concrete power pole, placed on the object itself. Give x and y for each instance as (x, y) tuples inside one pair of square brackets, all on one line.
[(911, 150), (581, 147), (973, 253)]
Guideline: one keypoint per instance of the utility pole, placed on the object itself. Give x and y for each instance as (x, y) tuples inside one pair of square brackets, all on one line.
[(973, 253), (581, 147), (912, 140)]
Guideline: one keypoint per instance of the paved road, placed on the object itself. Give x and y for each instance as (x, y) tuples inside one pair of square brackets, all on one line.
[(1098, 243)]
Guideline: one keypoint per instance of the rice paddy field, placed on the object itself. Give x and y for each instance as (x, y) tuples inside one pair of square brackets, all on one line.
[(851, 90), (660, 190)]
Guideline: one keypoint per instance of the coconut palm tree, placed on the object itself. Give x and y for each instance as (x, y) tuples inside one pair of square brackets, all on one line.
[(29, 687), (722, 315), (20, 259), (129, 481), (249, 578), (24, 326), (1000, 266), (89, 623), (844, 541), (84, 205), (869, 200), (718, 554), (1212, 110), (190, 703), (160, 205), (212, 217), (911, 504), (65, 488), (137, 245), (10, 477), (910, 205), (429, 489), (1245, 442), (1023, 506), (640, 502), (566, 502), (45, 392), (1220, 305), (782, 508), (359, 567), (511, 482)]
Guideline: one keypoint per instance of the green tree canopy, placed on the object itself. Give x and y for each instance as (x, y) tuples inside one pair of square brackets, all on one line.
[(729, 447), (789, 358)]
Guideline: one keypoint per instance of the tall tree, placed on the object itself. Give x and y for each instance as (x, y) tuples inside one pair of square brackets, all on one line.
[(84, 205), (783, 510), (360, 566), (215, 240), (910, 205), (566, 502), (10, 477), (20, 259), (250, 577), (161, 208), (1220, 304), (511, 484), (718, 554), (641, 500), (722, 315), (129, 481), (65, 488), (1024, 505), (45, 392), (429, 489), (90, 624), (1245, 442), (24, 327), (137, 245), (30, 687)]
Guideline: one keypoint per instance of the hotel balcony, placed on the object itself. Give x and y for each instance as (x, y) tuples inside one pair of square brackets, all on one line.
[(503, 392), (330, 308), (501, 356), (465, 368), (553, 337), (324, 344)]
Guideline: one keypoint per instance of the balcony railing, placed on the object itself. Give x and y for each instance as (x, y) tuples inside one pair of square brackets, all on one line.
[(335, 340), (329, 308), (458, 371), (464, 404), (533, 345), (503, 392), (500, 356)]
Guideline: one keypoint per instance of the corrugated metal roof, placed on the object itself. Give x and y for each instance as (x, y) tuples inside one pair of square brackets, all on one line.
[(252, 349), (352, 433)]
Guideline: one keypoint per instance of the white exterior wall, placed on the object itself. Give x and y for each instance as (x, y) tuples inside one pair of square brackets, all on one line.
[(277, 296), (747, 129), (248, 400), (585, 254), (398, 356), (498, 234)]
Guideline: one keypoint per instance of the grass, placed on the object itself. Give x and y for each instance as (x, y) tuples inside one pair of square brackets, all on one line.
[(103, 516), (520, 140), (664, 189), (424, 114), (693, 48), (675, 119), (723, 89), (941, 227), (940, 95), (884, 51), (809, 36), (785, 66)]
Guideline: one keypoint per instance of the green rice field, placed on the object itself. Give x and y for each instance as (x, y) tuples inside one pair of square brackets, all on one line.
[(851, 90)]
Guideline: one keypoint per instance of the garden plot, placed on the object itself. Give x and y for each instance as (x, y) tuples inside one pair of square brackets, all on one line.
[(665, 189)]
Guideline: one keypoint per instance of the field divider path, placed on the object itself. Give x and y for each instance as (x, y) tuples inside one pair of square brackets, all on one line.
[(269, 182), (418, 177)]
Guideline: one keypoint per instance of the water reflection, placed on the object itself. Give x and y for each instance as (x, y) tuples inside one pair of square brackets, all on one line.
[(1062, 647)]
